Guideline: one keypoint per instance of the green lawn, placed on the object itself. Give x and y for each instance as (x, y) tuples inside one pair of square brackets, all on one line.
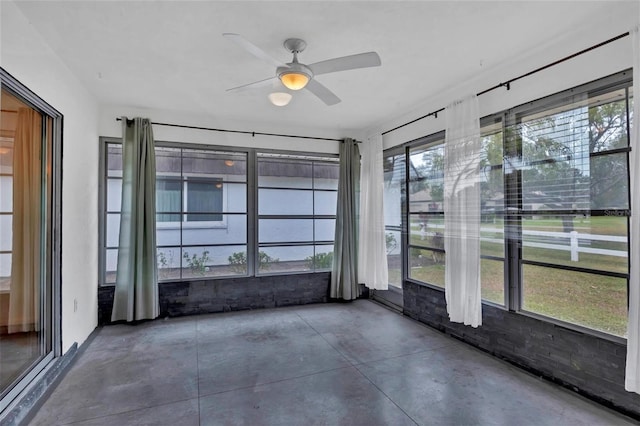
[(591, 300)]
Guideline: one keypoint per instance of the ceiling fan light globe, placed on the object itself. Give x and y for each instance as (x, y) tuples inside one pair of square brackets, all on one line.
[(280, 98), (294, 80)]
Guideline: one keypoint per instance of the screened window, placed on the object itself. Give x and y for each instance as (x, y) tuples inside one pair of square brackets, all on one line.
[(575, 208), (394, 176), (425, 195), (297, 199), (492, 236), (555, 207)]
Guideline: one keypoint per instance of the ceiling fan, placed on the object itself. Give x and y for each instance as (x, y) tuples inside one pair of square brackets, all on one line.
[(295, 75)]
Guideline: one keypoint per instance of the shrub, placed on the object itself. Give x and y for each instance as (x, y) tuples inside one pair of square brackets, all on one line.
[(320, 261), (238, 261), (197, 264)]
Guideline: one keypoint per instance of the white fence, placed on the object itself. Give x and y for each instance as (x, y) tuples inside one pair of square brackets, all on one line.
[(572, 238)]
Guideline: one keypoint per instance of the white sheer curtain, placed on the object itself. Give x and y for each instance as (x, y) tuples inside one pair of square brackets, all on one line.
[(462, 212), (632, 379), (372, 253)]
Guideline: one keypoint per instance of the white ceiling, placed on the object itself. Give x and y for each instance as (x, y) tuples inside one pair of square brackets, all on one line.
[(171, 55)]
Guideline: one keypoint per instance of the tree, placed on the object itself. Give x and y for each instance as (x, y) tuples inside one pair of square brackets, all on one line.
[(607, 130)]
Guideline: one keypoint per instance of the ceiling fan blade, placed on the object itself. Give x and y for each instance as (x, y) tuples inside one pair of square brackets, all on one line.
[(253, 49), (361, 60), (325, 95), (254, 85)]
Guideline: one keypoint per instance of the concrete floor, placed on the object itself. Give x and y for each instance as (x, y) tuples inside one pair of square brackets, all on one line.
[(331, 364)]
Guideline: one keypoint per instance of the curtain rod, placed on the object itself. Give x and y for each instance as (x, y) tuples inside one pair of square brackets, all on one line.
[(253, 134), (507, 83)]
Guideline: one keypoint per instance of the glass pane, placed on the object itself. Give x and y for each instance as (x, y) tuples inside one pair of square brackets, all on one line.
[(492, 280), (114, 195), (168, 198), (394, 170), (114, 160), (325, 175), (214, 164), (6, 239), (285, 230), (5, 271), (232, 229), (111, 266), (492, 236), (325, 229), (492, 177), (323, 259), (204, 196), (426, 178), (113, 230), (169, 262), (235, 197), (6, 154), (6, 192), (284, 173), (426, 266), (427, 230), (608, 121), (589, 242), (325, 202), (168, 233), (559, 181), (609, 182), (394, 257), (201, 262), (168, 163), (593, 301), (285, 259), (285, 201)]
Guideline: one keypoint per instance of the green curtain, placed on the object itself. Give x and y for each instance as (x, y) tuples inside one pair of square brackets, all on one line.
[(344, 277), (136, 293)]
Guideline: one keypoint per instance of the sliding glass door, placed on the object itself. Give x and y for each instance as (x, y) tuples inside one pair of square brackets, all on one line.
[(27, 267)]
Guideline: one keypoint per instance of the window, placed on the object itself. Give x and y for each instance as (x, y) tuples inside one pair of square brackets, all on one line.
[(297, 199), (201, 207), (555, 207)]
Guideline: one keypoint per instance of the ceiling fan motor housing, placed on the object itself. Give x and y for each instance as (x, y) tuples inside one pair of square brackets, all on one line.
[(295, 45)]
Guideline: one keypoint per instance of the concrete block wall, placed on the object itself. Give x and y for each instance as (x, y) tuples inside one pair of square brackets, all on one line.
[(231, 294), (589, 365)]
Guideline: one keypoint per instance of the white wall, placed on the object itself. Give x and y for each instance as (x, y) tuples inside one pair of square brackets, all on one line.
[(26, 56), (591, 66)]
